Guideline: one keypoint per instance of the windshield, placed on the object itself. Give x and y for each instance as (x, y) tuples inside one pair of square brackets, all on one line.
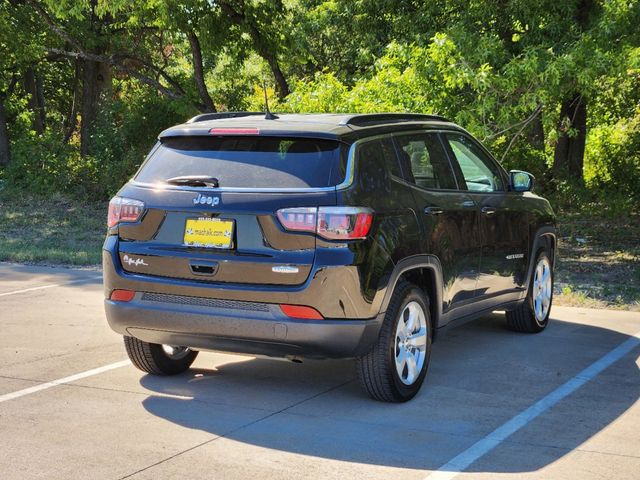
[(246, 162)]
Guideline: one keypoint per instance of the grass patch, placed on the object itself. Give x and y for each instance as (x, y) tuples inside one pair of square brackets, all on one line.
[(599, 262), (51, 230)]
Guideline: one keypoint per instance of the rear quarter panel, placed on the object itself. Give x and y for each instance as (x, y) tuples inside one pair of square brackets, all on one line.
[(394, 233)]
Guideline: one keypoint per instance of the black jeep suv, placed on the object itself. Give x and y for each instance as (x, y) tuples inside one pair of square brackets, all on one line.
[(322, 236)]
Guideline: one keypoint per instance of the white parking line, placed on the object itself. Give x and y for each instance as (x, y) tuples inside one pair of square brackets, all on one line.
[(62, 381), (43, 287), (458, 464)]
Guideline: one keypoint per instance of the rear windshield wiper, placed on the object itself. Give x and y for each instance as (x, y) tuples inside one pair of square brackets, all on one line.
[(194, 181)]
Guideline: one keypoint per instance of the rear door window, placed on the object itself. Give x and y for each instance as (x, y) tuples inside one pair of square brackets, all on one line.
[(249, 162), (424, 161), (378, 155)]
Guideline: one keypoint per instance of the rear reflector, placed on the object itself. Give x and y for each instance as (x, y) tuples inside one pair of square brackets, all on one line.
[(122, 295), (300, 311), (234, 131)]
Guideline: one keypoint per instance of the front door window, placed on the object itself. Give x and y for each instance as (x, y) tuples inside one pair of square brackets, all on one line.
[(479, 172)]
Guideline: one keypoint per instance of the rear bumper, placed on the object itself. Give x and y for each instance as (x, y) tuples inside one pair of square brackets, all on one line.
[(245, 318), (334, 289), (251, 328)]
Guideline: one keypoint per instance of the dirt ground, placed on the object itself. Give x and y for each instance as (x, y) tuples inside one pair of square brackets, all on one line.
[(599, 262)]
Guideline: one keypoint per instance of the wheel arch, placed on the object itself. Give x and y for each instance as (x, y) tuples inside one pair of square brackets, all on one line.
[(545, 237), (425, 271)]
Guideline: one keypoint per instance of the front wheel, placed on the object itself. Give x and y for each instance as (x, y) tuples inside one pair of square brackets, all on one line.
[(159, 359), (394, 369), (533, 315)]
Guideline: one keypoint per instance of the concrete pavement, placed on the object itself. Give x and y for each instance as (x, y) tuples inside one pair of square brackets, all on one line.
[(240, 417)]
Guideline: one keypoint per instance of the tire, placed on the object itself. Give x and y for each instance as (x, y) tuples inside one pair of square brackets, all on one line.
[(377, 370), (532, 316), (156, 359)]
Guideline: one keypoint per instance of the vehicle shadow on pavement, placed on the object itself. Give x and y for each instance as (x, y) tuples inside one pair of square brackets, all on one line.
[(481, 375)]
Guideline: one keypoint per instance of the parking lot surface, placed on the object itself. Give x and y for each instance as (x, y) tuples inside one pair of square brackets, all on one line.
[(561, 404)]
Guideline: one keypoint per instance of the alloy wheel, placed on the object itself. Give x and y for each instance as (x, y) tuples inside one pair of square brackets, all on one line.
[(175, 352), (542, 289), (410, 342)]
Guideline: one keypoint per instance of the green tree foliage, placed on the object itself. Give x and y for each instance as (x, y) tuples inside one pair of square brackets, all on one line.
[(552, 87)]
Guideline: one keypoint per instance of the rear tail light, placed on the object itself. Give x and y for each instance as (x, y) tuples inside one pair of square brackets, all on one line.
[(344, 223), (122, 295), (332, 223), (123, 209), (298, 219), (300, 311)]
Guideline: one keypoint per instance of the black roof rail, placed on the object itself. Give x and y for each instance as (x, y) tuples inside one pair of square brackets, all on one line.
[(367, 119), (221, 116)]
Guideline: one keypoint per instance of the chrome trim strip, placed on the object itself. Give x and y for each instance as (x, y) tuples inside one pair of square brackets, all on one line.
[(348, 178)]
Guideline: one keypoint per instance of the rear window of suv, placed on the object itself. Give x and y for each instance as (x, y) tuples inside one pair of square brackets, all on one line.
[(249, 162)]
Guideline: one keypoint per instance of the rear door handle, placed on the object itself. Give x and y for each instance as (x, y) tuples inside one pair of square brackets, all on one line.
[(468, 203), (433, 211), (488, 210)]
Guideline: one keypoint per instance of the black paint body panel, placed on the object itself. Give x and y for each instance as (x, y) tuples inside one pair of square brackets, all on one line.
[(475, 263)]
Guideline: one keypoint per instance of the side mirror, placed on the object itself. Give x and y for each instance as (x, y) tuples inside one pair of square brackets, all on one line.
[(521, 181)]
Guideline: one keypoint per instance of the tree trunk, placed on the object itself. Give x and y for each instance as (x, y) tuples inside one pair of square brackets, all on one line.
[(281, 82), (4, 136), (261, 45), (505, 28), (568, 160), (41, 102), (33, 87), (198, 71), (96, 79), (71, 120), (535, 133)]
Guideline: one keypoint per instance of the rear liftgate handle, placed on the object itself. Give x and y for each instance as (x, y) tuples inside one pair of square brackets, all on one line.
[(204, 268)]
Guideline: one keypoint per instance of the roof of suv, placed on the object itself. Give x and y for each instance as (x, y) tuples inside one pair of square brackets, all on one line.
[(337, 126)]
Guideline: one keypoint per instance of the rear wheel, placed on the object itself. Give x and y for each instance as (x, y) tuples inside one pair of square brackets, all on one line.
[(533, 315), (394, 369), (159, 359)]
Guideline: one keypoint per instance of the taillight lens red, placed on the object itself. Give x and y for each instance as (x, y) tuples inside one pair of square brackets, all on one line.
[(300, 311), (344, 223), (332, 223), (123, 209)]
